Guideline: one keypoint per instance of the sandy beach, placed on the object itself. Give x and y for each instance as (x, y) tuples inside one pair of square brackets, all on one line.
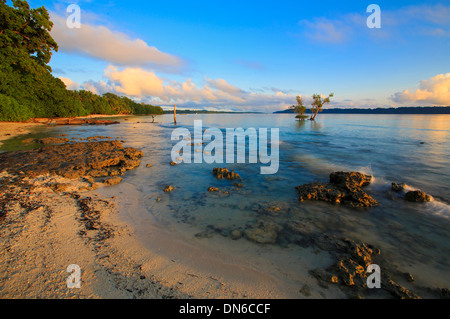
[(11, 129)]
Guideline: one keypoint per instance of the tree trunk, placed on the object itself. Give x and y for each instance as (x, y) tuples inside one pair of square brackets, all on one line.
[(175, 114)]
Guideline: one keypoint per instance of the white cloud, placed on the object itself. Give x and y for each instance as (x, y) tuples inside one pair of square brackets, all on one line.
[(111, 46), (70, 85), (435, 91)]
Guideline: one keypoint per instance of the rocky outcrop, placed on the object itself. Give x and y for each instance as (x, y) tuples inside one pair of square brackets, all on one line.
[(344, 188), (224, 173), (95, 159), (417, 196), (349, 271)]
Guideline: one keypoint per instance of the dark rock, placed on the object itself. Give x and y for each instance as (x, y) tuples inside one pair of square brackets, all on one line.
[(417, 196), (398, 187), (222, 173), (350, 180), (344, 187)]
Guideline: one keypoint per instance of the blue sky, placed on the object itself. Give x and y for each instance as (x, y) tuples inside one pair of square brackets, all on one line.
[(248, 55)]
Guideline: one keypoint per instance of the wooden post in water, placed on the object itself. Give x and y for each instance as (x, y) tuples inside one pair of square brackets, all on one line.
[(175, 114)]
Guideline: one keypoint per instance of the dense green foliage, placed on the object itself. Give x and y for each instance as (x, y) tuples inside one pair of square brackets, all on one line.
[(27, 87)]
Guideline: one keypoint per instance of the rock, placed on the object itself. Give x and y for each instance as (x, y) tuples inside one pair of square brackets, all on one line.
[(95, 159), (28, 141), (235, 234), (417, 196), (149, 165), (398, 187), (263, 233), (53, 140), (344, 187), (222, 173), (168, 189), (112, 181), (306, 291), (350, 180), (213, 189)]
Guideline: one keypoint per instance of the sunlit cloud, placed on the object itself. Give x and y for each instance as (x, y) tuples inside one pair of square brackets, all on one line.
[(435, 91), (70, 85), (112, 46)]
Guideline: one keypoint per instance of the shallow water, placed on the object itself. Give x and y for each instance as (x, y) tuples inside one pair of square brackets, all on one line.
[(393, 148)]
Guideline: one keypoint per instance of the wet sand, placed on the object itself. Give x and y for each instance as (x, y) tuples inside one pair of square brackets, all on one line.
[(12, 129)]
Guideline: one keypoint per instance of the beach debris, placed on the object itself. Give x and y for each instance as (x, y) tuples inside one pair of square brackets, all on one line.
[(173, 163), (344, 187), (148, 165)]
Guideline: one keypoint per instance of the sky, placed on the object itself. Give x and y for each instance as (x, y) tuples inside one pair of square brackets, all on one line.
[(255, 55)]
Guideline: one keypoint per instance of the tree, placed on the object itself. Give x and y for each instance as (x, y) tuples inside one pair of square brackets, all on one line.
[(26, 48), (300, 108), (318, 103)]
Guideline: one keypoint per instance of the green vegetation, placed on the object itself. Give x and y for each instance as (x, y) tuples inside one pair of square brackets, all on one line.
[(300, 108), (318, 103), (27, 87)]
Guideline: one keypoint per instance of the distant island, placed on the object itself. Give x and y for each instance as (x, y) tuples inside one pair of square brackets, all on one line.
[(208, 112), (392, 110)]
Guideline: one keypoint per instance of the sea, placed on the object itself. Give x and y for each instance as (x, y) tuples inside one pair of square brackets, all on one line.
[(410, 149)]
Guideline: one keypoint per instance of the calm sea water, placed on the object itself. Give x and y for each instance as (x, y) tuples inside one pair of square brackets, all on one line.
[(414, 149)]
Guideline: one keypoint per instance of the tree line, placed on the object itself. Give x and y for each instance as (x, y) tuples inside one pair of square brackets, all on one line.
[(27, 87)]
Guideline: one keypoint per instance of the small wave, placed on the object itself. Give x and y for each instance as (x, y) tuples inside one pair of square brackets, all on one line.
[(434, 206)]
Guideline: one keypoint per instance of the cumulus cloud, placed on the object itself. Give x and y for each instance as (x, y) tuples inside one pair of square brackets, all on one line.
[(115, 47), (435, 91), (145, 85), (70, 85)]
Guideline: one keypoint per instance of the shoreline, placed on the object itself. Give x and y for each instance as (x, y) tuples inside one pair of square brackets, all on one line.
[(10, 130), (48, 230)]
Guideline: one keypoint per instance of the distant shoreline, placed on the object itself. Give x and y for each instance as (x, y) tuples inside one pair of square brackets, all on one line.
[(399, 110)]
